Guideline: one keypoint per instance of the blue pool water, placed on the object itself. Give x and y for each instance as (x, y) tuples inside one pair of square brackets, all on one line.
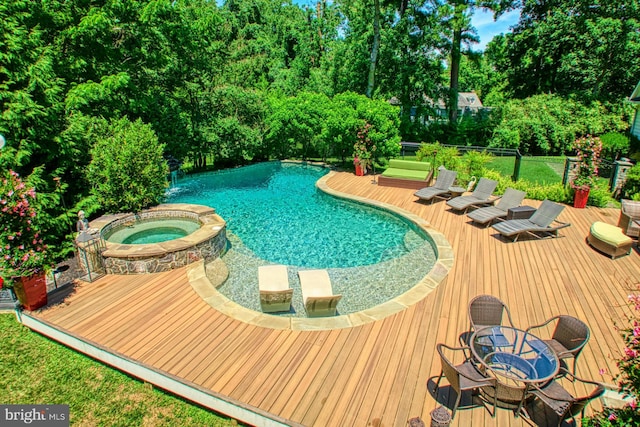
[(275, 214), (153, 231)]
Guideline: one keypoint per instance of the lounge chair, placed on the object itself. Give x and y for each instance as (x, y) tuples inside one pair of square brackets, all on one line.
[(317, 293), (538, 225), (445, 179), (510, 199), (275, 293), (480, 196)]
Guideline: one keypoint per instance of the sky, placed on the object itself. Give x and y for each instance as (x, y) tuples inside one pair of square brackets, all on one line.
[(482, 20), (487, 27)]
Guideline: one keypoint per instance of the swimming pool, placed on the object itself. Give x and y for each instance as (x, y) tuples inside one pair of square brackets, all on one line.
[(275, 214)]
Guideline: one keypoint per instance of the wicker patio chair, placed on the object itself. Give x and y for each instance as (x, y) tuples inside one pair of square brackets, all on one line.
[(482, 195), (568, 339), (563, 404), (445, 179), (510, 199), (508, 396), (629, 211), (462, 376), (487, 310)]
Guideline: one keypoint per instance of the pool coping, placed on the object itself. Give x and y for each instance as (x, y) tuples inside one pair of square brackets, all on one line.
[(201, 284)]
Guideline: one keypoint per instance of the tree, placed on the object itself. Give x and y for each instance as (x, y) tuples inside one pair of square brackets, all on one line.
[(127, 172), (591, 50)]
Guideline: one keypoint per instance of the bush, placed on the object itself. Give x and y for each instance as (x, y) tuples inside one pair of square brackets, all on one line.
[(554, 192), (474, 162), (614, 145), (599, 195), (127, 171), (628, 380), (631, 187), (437, 155)]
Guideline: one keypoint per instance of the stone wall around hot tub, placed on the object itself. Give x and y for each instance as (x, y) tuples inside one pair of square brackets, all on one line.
[(206, 243), (207, 250)]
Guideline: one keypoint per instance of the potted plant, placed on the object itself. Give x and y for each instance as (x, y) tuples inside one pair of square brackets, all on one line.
[(363, 150), (588, 150), (23, 255)]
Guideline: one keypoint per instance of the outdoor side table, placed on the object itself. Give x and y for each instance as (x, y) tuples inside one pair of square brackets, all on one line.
[(520, 212), (456, 191)]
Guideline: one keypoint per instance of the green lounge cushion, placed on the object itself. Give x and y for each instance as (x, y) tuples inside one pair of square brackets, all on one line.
[(405, 173), (408, 164), (407, 169), (609, 234)]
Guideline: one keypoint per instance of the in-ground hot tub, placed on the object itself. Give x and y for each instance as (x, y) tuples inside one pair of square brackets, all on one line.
[(160, 239)]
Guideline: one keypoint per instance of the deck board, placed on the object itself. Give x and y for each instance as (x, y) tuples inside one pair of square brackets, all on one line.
[(375, 374)]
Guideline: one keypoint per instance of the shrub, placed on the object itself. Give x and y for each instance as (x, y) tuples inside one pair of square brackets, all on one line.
[(437, 155), (127, 171), (588, 151), (614, 145), (22, 252), (628, 380), (631, 187), (555, 192), (599, 195), (474, 162)]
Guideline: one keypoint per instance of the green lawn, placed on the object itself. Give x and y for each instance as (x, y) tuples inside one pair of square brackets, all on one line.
[(541, 170), (36, 370)]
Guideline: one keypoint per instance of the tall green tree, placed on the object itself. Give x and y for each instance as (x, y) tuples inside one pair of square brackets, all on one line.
[(582, 48)]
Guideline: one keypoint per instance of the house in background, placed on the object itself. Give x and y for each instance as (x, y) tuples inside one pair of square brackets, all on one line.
[(469, 104), (635, 126)]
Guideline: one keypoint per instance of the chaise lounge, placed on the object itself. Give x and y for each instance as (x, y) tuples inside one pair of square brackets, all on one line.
[(538, 225), (445, 180), (275, 293), (317, 293), (482, 195), (510, 199)]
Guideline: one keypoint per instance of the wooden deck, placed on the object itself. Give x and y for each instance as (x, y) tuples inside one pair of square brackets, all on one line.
[(375, 374)]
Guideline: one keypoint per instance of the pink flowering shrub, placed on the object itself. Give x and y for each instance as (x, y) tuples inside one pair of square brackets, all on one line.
[(364, 148), (22, 251), (629, 378), (588, 149)]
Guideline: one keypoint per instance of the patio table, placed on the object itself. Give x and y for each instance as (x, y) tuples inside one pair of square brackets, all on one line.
[(515, 358), (511, 353)]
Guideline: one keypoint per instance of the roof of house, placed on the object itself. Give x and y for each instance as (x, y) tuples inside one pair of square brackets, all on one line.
[(465, 99)]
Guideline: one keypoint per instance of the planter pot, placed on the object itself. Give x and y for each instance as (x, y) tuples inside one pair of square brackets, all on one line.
[(580, 198), (31, 291), (359, 170)]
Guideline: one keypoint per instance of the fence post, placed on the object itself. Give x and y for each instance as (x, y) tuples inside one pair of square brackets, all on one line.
[(516, 166), (619, 175), (570, 166)]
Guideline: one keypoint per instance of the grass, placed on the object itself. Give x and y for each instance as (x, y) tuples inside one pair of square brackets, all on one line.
[(36, 370), (540, 170)]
